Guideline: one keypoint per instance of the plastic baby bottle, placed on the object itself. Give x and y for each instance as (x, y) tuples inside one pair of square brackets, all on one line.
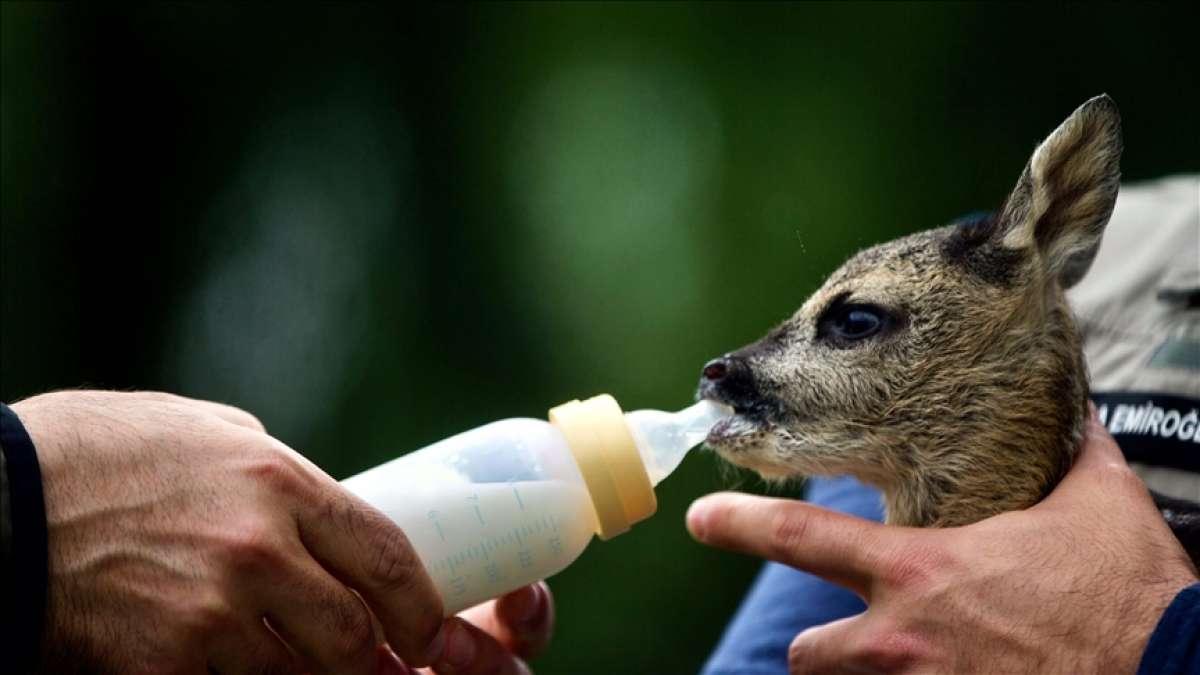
[(515, 501)]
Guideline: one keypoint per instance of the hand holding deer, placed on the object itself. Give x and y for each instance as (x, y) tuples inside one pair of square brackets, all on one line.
[(1073, 584)]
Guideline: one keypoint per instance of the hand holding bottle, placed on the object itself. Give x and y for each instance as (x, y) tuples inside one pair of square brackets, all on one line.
[(183, 537)]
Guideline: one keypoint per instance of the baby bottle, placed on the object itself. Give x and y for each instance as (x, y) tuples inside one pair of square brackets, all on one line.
[(515, 501)]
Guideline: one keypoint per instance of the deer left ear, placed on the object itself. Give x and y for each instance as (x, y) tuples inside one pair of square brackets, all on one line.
[(1066, 194)]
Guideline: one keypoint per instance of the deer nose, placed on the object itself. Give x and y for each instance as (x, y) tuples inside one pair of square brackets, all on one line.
[(729, 379), (716, 369)]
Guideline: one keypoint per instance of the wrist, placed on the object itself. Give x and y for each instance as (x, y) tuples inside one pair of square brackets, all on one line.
[(25, 552), (1146, 612)]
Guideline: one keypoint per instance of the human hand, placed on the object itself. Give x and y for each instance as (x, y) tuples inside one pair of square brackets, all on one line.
[(178, 530), (1075, 583), (496, 636)]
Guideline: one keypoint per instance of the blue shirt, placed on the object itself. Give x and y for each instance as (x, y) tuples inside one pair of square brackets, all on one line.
[(1174, 647)]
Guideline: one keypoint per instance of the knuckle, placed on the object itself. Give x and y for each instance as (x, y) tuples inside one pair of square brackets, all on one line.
[(1120, 477), (251, 420), (887, 649), (243, 417), (787, 530), (395, 567), (921, 566), (272, 469), (207, 618), (253, 548), (354, 634)]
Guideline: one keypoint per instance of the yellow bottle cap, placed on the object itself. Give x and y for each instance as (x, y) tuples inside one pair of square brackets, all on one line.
[(609, 460)]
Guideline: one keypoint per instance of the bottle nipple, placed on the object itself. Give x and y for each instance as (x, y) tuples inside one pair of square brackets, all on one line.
[(664, 438)]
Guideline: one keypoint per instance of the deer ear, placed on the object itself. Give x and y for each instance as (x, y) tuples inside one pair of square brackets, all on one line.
[(1066, 194)]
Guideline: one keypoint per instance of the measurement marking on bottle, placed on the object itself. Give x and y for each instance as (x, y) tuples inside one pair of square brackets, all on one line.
[(474, 499), (553, 525), (517, 494), (433, 517), (451, 566)]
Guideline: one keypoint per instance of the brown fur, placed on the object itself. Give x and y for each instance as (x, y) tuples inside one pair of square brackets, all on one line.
[(972, 399)]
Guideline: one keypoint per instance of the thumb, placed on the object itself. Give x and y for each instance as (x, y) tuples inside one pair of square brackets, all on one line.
[(1099, 449), (1100, 467)]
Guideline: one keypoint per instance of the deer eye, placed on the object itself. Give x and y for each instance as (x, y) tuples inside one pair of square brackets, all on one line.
[(847, 324), (857, 322)]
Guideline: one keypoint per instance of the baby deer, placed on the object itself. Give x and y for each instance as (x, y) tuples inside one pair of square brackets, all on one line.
[(943, 367)]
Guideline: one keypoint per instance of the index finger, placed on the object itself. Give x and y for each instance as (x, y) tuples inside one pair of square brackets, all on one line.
[(369, 553), (831, 545)]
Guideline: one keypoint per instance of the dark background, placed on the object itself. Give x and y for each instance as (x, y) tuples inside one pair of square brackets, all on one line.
[(376, 226)]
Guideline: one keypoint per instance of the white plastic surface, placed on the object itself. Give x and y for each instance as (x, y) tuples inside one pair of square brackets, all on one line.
[(489, 510)]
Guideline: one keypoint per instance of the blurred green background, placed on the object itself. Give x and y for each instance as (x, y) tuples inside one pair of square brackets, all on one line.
[(376, 226)]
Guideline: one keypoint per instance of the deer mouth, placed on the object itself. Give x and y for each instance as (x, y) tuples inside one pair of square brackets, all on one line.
[(745, 428), (733, 383), (729, 431)]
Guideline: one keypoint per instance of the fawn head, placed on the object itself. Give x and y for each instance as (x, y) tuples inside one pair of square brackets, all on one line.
[(943, 367)]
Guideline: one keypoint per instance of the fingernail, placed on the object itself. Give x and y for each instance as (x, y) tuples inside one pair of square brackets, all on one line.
[(522, 667), (460, 649), (526, 604), (697, 514), (434, 651)]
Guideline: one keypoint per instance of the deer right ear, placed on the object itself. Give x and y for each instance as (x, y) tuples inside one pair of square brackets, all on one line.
[(1066, 194)]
